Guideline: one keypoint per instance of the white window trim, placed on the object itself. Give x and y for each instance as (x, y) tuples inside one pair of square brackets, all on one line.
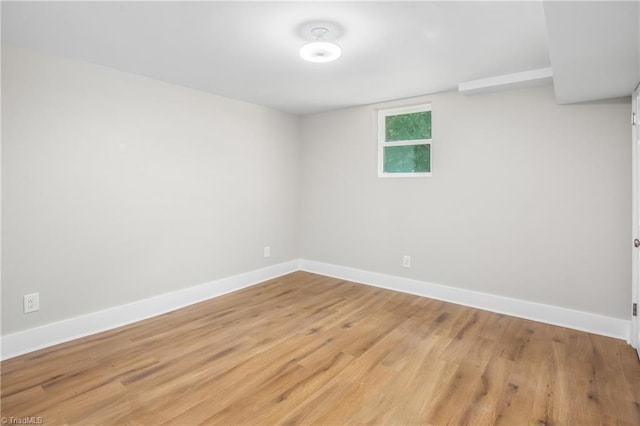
[(382, 114)]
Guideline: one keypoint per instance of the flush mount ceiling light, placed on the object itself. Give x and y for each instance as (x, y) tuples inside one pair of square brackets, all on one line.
[(320, 50)]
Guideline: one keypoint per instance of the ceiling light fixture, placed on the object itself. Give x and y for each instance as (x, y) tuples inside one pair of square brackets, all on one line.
[(320, 50)]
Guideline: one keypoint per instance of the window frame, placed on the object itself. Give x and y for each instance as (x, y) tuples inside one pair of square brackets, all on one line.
[(382, 115)]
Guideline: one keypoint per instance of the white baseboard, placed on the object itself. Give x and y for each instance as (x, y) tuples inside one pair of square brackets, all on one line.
[(73, 328), (584, 321), (63, 331)]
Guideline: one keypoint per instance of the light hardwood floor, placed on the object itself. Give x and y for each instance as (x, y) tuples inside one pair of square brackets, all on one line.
[(307, 349)]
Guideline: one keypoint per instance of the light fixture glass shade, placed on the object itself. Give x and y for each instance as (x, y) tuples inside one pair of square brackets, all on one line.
[(320, 51)]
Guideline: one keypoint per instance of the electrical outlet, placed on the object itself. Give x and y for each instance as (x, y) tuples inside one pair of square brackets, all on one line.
[(267, 251), (406, 261), (31, 302)]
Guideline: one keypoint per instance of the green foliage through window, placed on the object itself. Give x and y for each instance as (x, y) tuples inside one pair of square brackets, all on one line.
[(407, 159), (404, 141), (408, 127)]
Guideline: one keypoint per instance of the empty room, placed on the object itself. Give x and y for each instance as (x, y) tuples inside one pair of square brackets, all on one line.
[(320, 213)]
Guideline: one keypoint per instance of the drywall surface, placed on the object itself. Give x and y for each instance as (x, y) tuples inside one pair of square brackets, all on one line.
[(117, 187), (528, 199)]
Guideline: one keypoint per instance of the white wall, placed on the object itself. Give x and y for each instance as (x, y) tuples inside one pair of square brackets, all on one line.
[(117, 187), (528, 199)]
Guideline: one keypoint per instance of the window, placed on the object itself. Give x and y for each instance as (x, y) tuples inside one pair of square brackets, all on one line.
[(404, 141)]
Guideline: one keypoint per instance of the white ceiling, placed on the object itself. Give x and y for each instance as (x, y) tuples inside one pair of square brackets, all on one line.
[(596, 56), (249, 51)]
